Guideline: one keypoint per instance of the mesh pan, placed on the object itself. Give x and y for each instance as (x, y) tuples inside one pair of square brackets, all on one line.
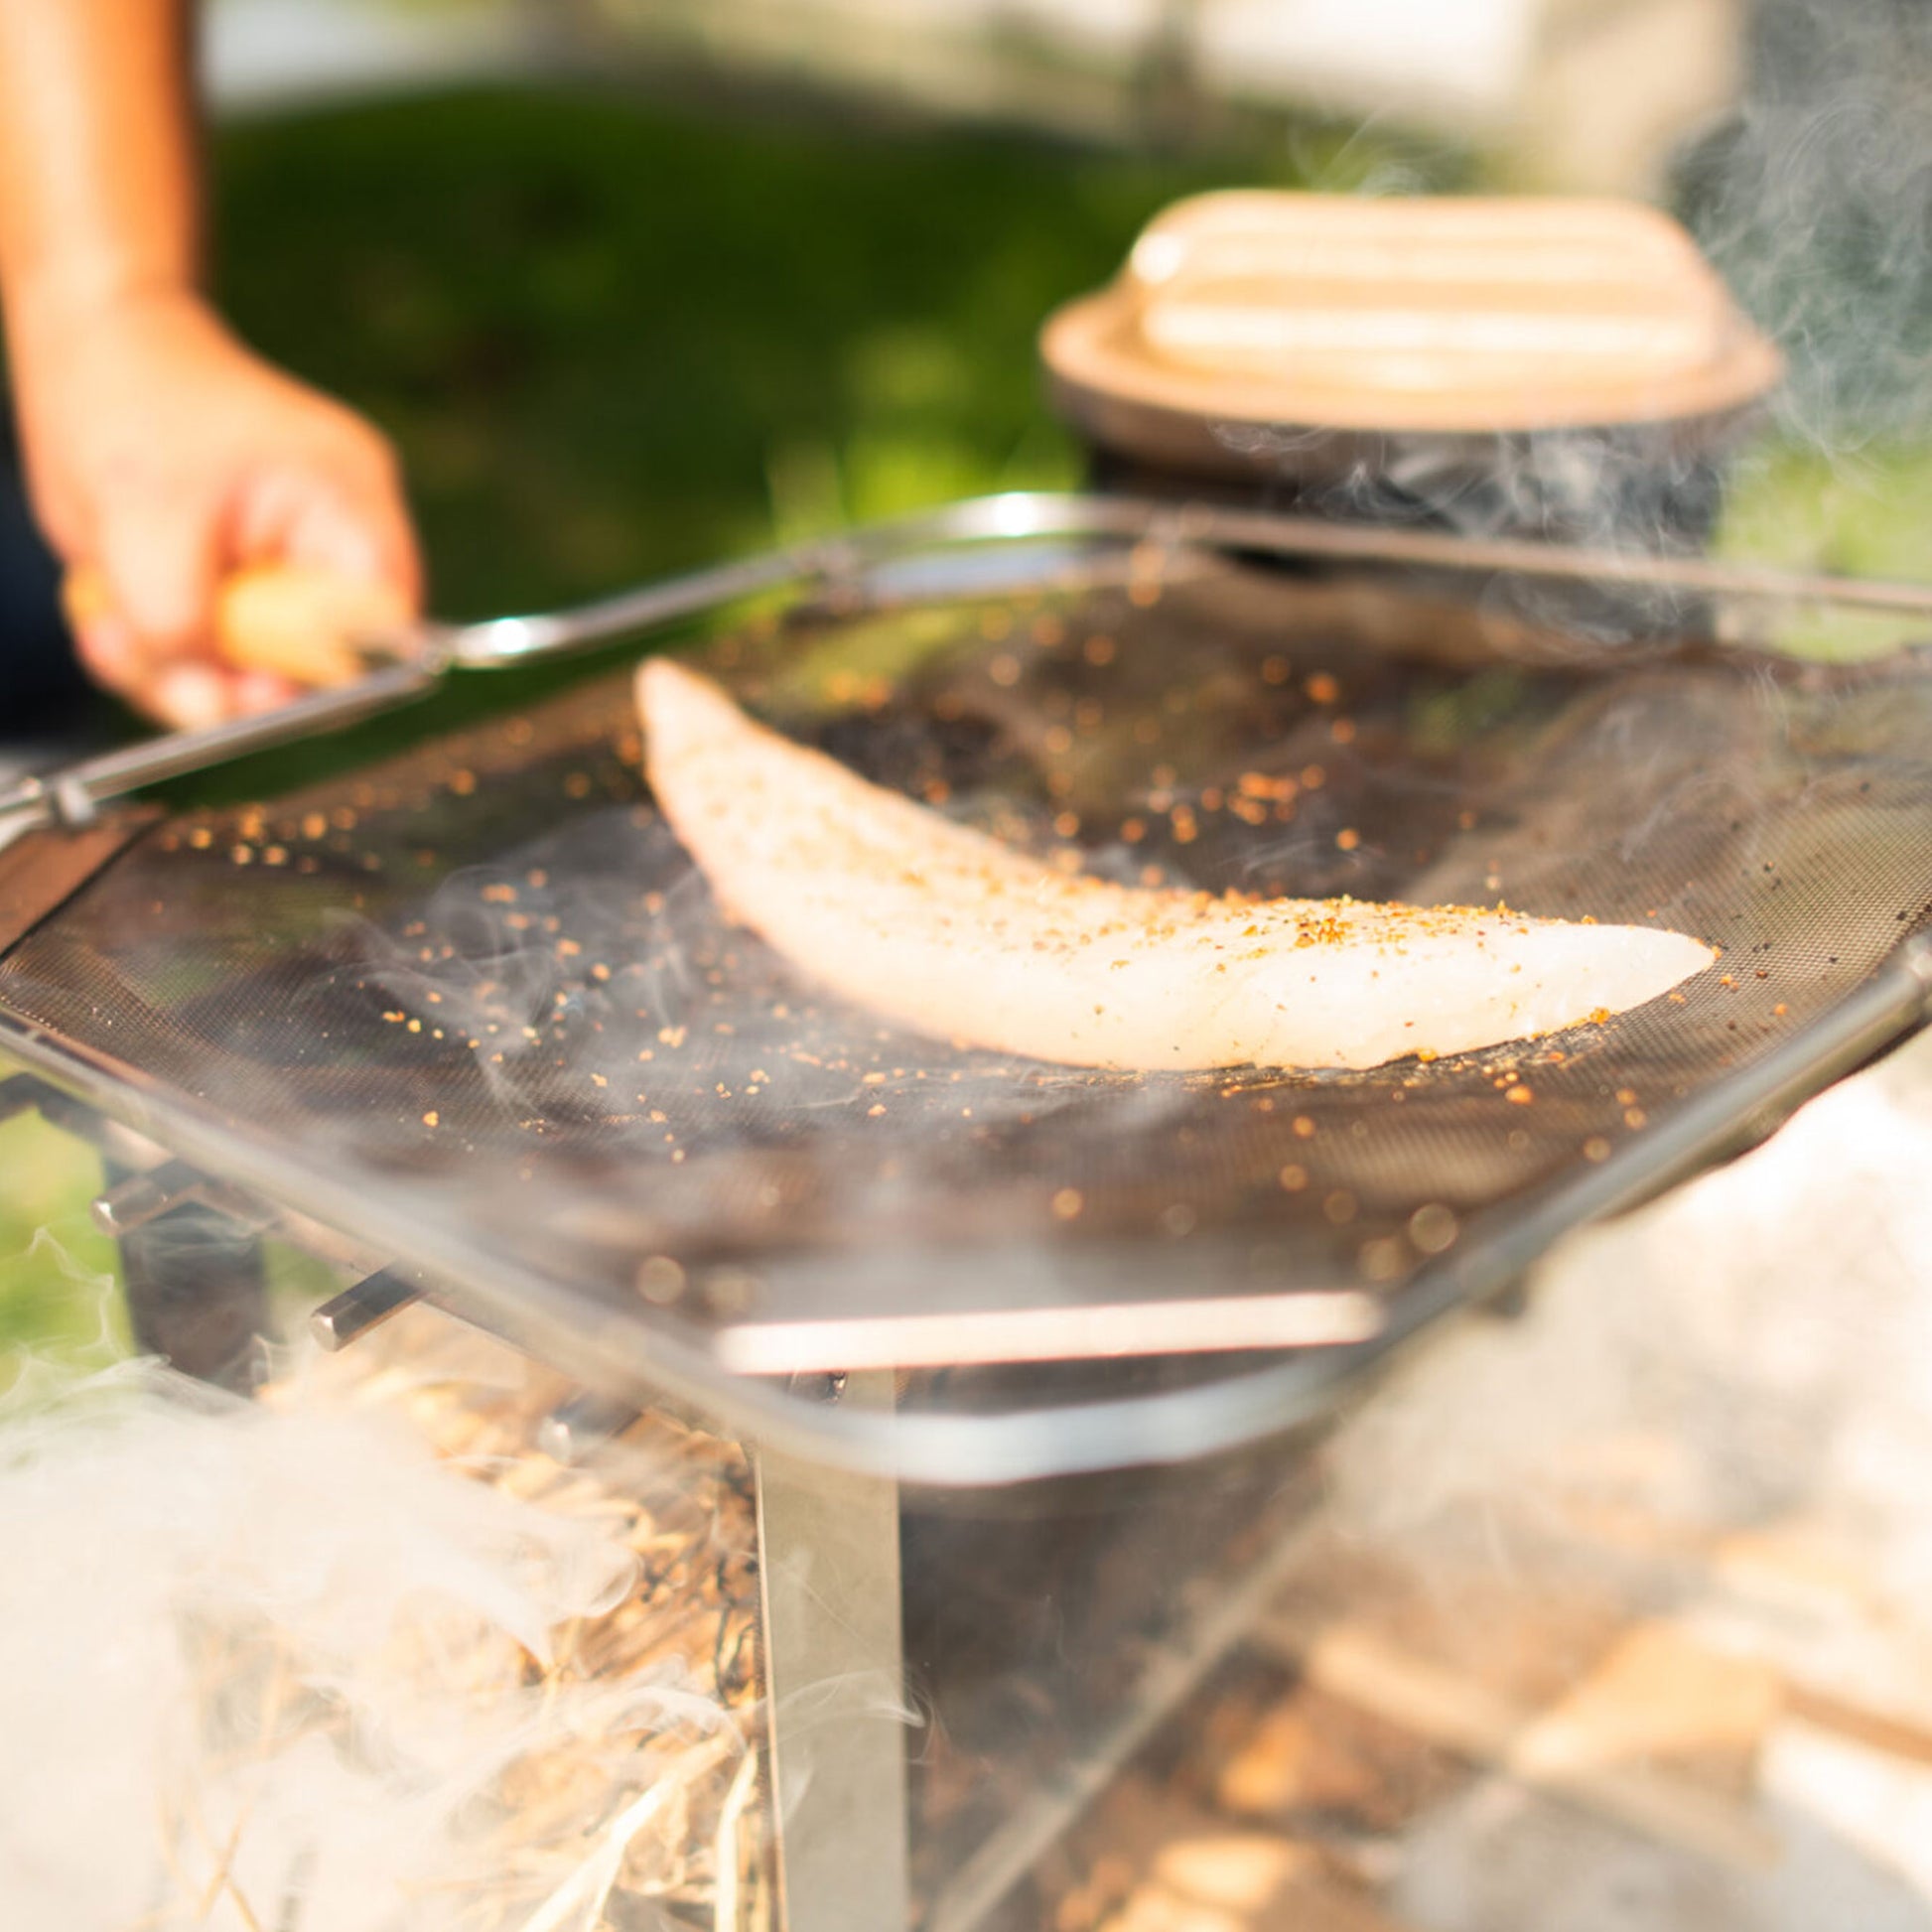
[(475, 1004)]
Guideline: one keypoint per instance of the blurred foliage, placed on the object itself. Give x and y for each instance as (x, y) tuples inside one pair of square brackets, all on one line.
[(613, 338), (57, 1273)]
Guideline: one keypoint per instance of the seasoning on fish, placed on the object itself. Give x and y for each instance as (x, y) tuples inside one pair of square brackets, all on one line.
[(960, 936)]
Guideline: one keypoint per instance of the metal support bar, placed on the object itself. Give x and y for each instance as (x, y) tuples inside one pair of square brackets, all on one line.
[(129, 1205), (20, 1094), (194, 1280), (355, 1310), (829, 1571), (584, 1423)]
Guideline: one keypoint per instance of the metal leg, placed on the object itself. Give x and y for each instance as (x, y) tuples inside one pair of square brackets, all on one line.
[(194, 1290), (829, 1568)]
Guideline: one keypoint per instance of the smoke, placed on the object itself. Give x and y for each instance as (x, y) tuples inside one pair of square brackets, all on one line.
[(278, 1666), (1816, 204), (1752, 1351)]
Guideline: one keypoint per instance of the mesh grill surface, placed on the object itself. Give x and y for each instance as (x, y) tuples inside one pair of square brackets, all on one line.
[(483, 982)]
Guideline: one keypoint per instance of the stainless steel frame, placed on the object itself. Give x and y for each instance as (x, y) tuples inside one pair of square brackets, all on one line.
[(620, 1362)]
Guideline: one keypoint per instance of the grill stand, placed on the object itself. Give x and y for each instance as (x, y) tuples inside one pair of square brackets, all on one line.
[(835, 1686)]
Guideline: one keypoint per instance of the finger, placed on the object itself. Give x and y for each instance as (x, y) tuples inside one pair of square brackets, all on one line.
[(159, 559), (188, 696), (106, 649), (254, 691)]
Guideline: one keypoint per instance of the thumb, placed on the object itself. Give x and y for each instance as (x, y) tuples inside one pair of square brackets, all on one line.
[(159, 561)]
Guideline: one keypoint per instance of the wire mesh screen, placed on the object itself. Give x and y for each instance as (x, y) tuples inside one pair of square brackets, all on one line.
[(481, 988)]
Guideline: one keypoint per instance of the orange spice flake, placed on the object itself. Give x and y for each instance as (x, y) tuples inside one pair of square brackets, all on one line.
[(1260, 784), (1321, 688)]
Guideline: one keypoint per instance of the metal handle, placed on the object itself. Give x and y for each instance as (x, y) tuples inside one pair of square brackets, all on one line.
[(71, 797), (313, 625)]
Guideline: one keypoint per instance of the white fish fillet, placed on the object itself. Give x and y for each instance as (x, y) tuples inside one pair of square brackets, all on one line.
[(930, 923)]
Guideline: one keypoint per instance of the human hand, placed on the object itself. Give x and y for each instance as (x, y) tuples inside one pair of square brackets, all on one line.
[(162, 457)]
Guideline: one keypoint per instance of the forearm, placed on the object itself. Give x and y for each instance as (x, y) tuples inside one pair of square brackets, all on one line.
[(98, 194), (162, 456)]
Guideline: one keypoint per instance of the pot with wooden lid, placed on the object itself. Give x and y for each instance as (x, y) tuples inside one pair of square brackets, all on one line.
[(1559, 369)]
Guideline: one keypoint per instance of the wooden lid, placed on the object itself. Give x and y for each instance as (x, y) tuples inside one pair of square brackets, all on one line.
[(1456, 316)]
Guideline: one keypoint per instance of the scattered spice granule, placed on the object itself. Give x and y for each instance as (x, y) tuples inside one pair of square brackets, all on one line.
[(1098, 650), (1347, 839), (415, 1025), (1293, 1177), (1303, 1128), (1519, 1095), (1321, 688), (872, 1112), (1781, 1010), (1599, 1016), (1634, 1117), (432, 1118), (1343, 730), (1627, 1097), (1066, 1203), (1004, 670), (1597, 1148)]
